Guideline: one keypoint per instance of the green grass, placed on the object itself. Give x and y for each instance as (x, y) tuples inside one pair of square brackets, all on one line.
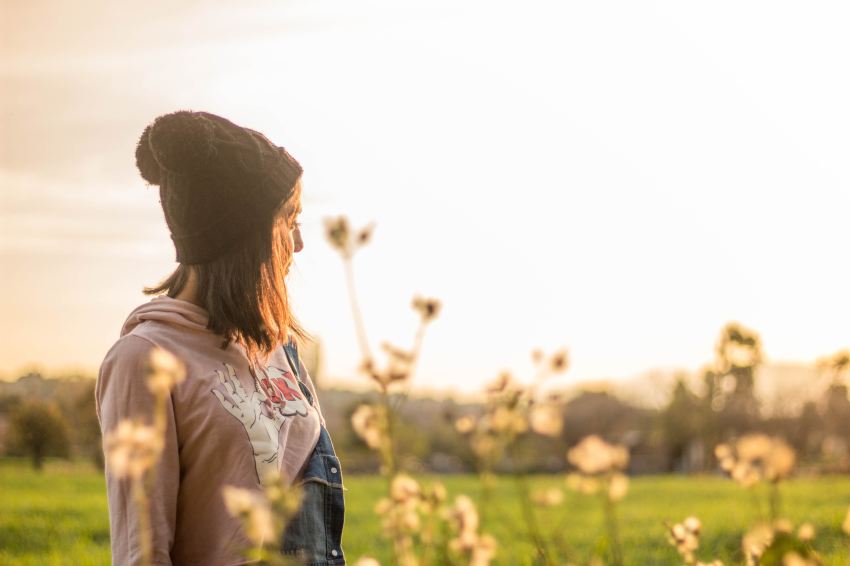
[(59, 516)]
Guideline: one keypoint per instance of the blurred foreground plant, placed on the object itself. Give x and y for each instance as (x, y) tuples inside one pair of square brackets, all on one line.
[(755, 459), (414, 519), (512, 411), (601, 469), (133, 448), (265, 516), (685, 537)]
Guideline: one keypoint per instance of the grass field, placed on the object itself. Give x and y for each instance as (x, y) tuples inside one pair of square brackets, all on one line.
[(60, 517)]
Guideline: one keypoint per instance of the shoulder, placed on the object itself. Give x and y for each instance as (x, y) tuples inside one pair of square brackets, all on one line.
[(128, 350), (124, 365)]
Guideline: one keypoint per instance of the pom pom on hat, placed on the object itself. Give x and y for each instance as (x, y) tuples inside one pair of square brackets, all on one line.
[(180, 142), (145, 162)]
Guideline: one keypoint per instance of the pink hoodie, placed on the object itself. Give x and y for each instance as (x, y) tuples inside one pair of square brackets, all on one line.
[(224, 428)]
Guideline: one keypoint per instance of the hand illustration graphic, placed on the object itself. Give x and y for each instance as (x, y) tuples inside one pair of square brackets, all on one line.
[(284, 392), (256, 413)]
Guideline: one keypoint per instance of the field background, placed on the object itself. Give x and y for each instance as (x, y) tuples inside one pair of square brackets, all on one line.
[(60, 516)]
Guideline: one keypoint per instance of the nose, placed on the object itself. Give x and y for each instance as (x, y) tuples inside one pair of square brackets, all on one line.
[(297, 240)]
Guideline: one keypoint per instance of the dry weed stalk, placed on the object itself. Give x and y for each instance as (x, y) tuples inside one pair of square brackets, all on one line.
[(601, 470), (265, 515), (133, 448), (411, 516), (757, 458), (510, 412), (684, 537)]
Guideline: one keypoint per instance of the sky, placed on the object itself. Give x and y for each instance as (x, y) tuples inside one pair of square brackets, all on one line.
[(617, 178)]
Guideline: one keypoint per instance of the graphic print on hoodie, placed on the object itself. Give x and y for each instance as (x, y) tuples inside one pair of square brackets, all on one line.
[(263, 412)]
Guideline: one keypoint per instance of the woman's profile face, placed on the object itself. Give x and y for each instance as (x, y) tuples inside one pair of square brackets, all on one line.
[(293, 211)]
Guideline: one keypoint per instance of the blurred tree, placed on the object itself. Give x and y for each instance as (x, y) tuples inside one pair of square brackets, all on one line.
[(835, 408), (682, 426), (82, 418), (730, 385), (37, 430), (835, 365)]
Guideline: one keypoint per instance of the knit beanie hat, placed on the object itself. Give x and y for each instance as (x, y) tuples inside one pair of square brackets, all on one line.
[(217, 181)]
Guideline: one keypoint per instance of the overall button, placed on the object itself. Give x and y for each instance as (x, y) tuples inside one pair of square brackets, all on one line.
[(334, 552), (333, 470)]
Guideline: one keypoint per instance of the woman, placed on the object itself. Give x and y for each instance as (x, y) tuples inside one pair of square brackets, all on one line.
[(247, 409)]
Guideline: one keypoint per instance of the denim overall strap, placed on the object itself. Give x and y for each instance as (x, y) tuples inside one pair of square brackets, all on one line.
[(315, 533), (291, 351)]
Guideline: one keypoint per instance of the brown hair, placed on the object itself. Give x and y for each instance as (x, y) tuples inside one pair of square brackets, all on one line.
[(244, 291)]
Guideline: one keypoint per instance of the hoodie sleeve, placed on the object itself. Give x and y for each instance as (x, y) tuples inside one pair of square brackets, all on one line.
[(121, 393)]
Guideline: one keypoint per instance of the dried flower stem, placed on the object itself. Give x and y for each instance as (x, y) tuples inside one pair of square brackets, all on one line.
[(774, 500), (756, 503), (356, 313), (613, 530), (534, 532), (417, 348), (140, 500), (366, 352)]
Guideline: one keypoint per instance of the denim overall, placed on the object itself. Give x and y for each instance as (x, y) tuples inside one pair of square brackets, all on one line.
[(315, 533)]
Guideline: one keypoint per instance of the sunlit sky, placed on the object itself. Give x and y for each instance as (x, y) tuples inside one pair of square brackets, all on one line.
[(620, 178)]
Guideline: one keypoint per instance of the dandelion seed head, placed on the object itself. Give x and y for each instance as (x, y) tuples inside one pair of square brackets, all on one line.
[(559, 361), (756, 458), (484, 446), (164, 371), (428, 308), (465, 425), (466, 518), (783, 526), (593, 456), (383, 506), (369, 423), (618, 487), (253, 509), (550, 497), (507, 421), (583, 484), (806, 532), (755, 541), (438, 492), (546, 420), (484, 551), (338, 234), (693, 524), (404, 488), (132, 448), (364, 236)]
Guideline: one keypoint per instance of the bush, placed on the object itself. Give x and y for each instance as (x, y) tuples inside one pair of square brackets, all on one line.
[(38, 430)]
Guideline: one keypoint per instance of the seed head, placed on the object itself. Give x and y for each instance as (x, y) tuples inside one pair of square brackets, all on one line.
[(254, 511), (164, 371), (551, 497), (369, 423), (427, 308), (546, 420), (132, 448), (594, 456)]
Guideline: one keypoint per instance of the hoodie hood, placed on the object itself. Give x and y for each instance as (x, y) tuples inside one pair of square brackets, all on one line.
[(172, 311)]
